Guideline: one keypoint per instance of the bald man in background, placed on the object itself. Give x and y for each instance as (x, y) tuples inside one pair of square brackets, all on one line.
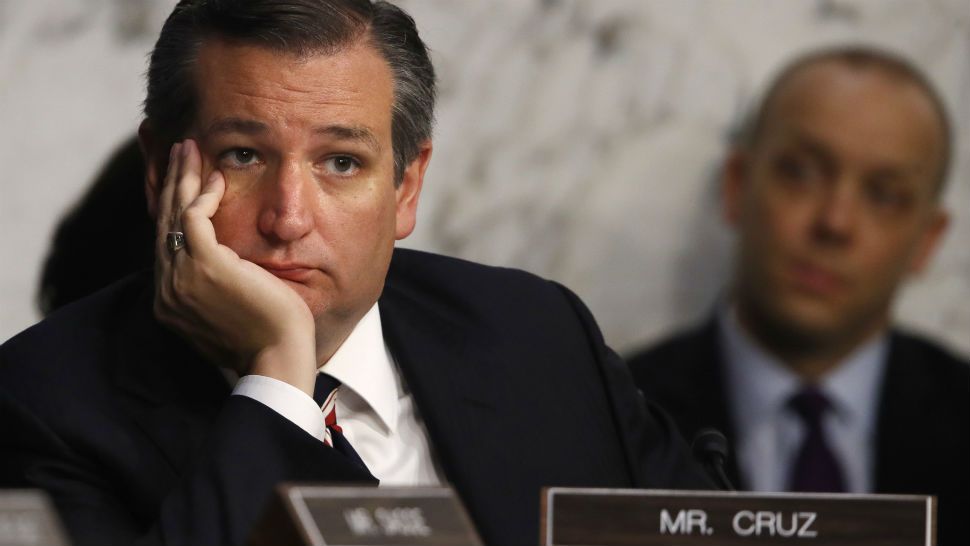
[(834, 192)]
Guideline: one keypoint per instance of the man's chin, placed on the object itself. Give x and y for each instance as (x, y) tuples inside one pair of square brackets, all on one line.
[(812, 324), (311, 297), (790, 321), (328, 311)]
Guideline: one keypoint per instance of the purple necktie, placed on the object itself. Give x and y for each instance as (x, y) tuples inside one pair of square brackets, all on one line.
[(816, 468)]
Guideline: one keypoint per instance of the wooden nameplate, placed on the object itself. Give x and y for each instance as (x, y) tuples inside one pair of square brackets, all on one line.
[(319, 515), (615, 517)]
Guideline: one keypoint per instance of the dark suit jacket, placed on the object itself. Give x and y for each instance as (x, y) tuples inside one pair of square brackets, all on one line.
[(923, 430), (137, 439)]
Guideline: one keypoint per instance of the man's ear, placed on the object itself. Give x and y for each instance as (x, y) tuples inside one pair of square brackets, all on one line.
[(732, 185), (156, 164), (929, 240), (409, 190)]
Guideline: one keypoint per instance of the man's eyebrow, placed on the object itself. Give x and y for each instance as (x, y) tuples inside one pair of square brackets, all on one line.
[(253, 127), (814, 146), (887, 168), (235, 125), (353, 133)]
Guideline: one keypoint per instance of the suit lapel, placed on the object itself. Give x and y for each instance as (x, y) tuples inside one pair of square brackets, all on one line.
[(707, 372), (685, 376), (905, 416), (451, 378)]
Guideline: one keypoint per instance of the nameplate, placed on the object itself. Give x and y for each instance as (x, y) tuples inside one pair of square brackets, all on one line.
[(313, 515), (615, 517), (27, 518)]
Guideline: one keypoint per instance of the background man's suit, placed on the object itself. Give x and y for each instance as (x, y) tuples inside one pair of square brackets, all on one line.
[(923, 445), (135, 436)]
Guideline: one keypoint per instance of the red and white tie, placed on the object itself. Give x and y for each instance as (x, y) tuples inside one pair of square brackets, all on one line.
[(325, 393)]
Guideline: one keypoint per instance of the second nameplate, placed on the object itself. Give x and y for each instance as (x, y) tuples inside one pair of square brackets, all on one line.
[(320, 515)]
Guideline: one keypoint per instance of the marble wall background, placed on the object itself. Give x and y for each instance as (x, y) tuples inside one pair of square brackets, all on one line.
[(576, 139)]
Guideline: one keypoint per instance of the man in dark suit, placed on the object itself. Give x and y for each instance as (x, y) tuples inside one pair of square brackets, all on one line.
[(834, 193), (282, 337)]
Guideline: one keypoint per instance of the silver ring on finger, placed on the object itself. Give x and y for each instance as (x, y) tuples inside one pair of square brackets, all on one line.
[(175, 241)]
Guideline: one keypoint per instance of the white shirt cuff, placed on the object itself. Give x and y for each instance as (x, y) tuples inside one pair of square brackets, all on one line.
[(285, 399)]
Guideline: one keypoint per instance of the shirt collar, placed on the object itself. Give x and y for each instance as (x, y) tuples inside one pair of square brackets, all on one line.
[(853, 387), (762, 384), (759, 383), (363, 364)]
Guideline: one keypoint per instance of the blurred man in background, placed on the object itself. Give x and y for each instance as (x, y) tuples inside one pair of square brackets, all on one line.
[(834, 191)]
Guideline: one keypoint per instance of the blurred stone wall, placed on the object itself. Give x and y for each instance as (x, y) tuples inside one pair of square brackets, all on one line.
[(579, 140)]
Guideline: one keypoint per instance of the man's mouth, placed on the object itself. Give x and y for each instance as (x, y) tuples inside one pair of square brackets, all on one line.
[(814, 279), (295, 273)]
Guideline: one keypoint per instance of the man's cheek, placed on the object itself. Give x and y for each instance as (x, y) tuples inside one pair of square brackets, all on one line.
[(241, 200), (230, 222), (240, 182)]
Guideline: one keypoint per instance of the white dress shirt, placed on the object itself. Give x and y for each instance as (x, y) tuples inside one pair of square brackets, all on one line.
[(374, 409), (769, 434)]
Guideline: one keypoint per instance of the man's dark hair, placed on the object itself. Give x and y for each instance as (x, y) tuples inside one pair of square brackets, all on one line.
[(860, 58), (297, 27)]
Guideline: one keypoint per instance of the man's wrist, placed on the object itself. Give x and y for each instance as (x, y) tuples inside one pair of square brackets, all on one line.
[(292, 362)]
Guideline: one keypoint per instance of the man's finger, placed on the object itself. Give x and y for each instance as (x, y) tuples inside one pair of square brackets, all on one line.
[(189, 183), (163, 221), (200, 234), (208, 200)]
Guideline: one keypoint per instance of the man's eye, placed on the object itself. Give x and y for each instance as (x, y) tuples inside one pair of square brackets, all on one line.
[(240, 157), (797, 172), (342, 165), (888, 197), (793, 168)]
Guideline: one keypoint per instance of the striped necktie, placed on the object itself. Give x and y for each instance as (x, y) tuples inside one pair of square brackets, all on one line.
[(325, 394)]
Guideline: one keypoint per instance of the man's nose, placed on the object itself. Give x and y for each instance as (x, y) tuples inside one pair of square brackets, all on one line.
[(837, 213), (287, 207)]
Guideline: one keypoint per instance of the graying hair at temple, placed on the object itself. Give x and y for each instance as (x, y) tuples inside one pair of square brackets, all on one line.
[(297, 27)]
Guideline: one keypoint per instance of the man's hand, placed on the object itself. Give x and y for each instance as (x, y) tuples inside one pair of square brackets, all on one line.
[(231, 309)]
